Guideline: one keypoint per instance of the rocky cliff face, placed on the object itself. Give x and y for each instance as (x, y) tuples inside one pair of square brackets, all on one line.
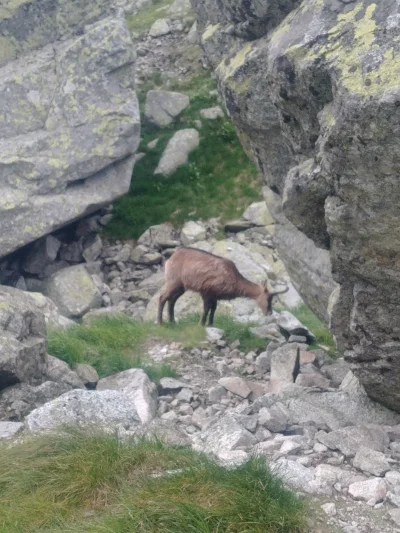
[(69, 118), (313, 87)]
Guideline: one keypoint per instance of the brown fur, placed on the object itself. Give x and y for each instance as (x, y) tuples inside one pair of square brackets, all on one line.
[(214, 277)]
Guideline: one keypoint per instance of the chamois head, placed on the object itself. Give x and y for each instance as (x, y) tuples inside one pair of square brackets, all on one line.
[(264, 300)]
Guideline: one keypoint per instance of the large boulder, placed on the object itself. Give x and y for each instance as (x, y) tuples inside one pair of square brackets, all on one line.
[(69, 117), (105, 409), (315, 93), (73, 291)]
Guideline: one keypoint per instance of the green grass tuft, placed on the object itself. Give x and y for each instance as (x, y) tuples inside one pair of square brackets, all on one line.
[(89, 482), (316, 326)]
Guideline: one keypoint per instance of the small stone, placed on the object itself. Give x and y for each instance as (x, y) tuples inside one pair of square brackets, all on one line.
[(212, 113), (297, 338), (329, 509), (216, 394), (9, 430), (214, 334), (185, 395), (293, 326), (248, 422), (263, 362), (177, 151), (236, 385), (395, 516), (170, 416), (371, 462), (159, 28), (258, 214), (191, 233), (171, 385), (371, 489), (320, 448), (312, 380), (222, 368), (393, 478), (275, 419), (87, 374)]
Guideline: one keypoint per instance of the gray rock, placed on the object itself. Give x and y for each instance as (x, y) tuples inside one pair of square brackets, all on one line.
[(54, 134), (87, 374), (235, 385), (162, 107), (73, 291), (371, 490), (297, 338), (177, 151), (269, 331), (50, 311), (165, 431), (293, 326), (159, 28), (212, 113), (214, 334), (19, 400), (59, 371), (9, 430), (294, 474), (92, 248), (224, 435), (216, 394), (395, 516), (135, 385), (161, 235), (100, 409), (349, 440), (192, 232), (179, 7), (235, 226), (263, 362), (336, 372), (296, 122), (312, 380), (193, 37), (284, 366), (41, 254), (258, 214), (22, 339), (371, 461), (274, 419), (171, 385)]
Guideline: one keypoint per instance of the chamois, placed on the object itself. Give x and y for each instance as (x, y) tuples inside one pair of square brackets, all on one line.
[(214, 277)]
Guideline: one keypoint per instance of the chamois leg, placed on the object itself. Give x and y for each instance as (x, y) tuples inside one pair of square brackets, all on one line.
[(206, 307), (172, 301), (165, 295), (212, 312)]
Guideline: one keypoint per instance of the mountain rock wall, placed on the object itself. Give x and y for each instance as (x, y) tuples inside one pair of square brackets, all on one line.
[(314, 90), (69, 117)]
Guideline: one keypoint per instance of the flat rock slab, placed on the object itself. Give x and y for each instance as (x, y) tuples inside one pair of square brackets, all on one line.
[(136, 385), (171, 385), (177, 151), (9, 430), (371, 461), (293, 326), (350, 439), (371, 490), (236, 385), (162, 107), (285, 366), (83, 408)]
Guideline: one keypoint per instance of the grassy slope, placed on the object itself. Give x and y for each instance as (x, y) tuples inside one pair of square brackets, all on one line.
[(92, 483), (219, 179), (114, 344)]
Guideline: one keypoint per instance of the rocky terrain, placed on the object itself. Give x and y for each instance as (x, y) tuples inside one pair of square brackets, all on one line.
[(311, 416), (313, 89)]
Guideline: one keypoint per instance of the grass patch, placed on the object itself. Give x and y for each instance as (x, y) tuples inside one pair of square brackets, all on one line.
[(114, 344), (314, 324), (145, 18), (91, 483), (219, 179)]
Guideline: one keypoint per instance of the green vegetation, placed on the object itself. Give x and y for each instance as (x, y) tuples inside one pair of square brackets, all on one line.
[(142, 21), (219, 179), (87, 482), (314, 324), (114, 344)]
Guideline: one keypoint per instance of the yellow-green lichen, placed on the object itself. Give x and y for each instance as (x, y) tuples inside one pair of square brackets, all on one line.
[(228, 67), (209, 32)]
